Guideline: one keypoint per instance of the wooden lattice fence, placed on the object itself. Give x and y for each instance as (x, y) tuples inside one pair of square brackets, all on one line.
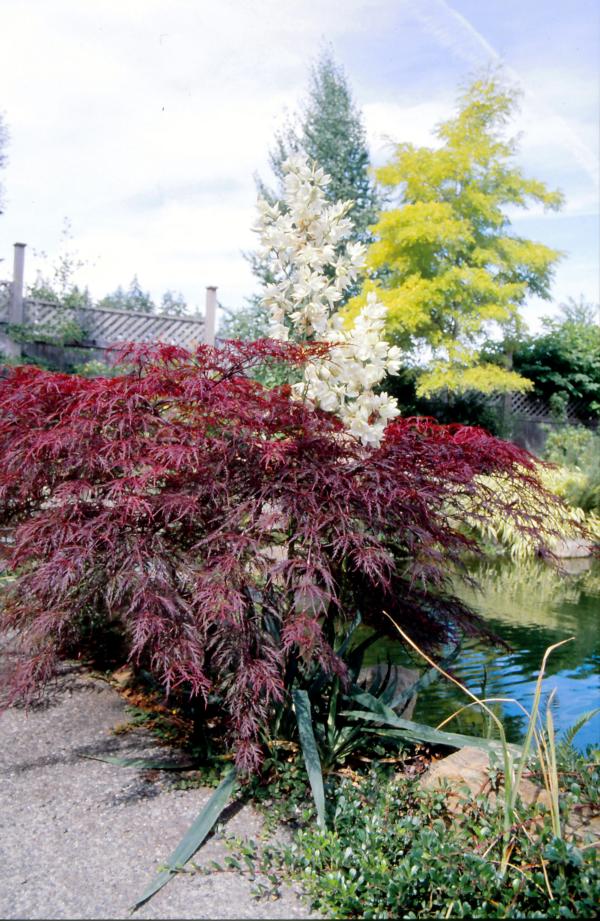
[(528, 420), (534, 409), (5, 292), (101, 327), (94, 329)]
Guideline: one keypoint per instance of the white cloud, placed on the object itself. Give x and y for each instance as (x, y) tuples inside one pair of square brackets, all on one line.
[(108, 108), (144, 121), (456, 33), (391, 123)]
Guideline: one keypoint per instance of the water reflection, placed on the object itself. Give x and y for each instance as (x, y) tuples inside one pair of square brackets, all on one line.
[(530, 606)]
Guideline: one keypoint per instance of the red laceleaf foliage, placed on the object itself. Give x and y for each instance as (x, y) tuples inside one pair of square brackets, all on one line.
[(221, 523)]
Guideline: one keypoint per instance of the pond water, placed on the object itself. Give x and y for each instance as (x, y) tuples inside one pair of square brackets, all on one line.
[(530, 606)]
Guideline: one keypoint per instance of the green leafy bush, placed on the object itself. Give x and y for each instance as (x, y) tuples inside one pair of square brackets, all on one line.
[(577, 451), (564, 362), (567, 521), (395, 850), (572, 474), (572, 446), (63, 330)]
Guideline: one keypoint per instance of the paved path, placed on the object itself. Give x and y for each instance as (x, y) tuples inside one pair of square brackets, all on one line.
[(81, 838)]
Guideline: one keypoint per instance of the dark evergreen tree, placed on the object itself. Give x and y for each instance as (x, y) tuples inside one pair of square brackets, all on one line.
[(135, 299), (174, 304), (328, 129)]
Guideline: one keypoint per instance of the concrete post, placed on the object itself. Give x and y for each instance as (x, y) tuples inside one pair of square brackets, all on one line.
[(210, 315), (8, 346), (507, 420), (15, 311)]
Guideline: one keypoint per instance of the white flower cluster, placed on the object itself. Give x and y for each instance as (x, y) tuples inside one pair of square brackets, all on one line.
[(300, 243), (303, 241), (358, 360)]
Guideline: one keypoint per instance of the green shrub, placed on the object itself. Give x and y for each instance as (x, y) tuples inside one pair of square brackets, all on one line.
[(577, 449), (572, 446), (395, 850), (568, 520), (61, 331)]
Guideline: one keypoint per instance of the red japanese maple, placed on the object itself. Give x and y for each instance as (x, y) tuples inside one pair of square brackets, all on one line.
[(221, 523)]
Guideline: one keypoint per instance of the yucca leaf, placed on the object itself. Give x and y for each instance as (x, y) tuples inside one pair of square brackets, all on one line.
[(381, 685), (310, 752), (354, 659), (332, 715), (424, 681), (194, 837), (349, 634), (418, 732), (377, 712), (144, 764), (348, 740), (322, 677)]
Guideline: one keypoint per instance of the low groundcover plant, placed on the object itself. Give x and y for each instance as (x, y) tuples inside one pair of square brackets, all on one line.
[(396, 850)]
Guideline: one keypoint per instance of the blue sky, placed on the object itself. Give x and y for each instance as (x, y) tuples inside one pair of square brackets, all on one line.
[(143, 121)]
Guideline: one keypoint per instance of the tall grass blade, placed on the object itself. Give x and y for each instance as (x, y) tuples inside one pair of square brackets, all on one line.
[(533, 721), (310, 752), (552, 768), (506, 750), (513, 775), (194, 837)]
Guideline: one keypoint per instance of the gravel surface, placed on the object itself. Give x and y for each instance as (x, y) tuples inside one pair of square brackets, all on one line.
[(81, 838)]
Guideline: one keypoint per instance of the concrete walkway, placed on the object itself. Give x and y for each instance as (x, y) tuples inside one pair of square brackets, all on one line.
[(81, 838)]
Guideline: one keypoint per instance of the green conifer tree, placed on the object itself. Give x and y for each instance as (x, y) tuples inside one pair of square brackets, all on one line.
[(134, 299), (329, 130)]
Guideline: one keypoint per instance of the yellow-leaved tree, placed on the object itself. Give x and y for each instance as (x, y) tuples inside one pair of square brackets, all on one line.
[(445, 260)]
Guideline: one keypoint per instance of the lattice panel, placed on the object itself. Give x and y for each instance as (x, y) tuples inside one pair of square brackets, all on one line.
[(5, 290), (41, 312), (106, 327), (525, 406)]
